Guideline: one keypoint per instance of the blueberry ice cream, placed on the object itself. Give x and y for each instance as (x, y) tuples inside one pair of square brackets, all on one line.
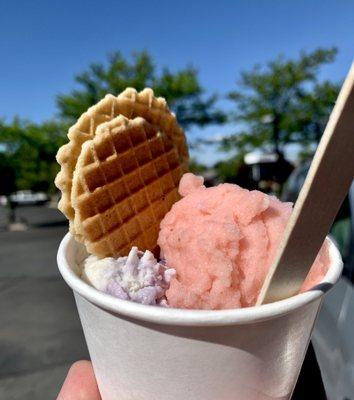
[(138, 277)]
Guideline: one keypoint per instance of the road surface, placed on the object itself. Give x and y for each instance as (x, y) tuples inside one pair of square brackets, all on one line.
[(40, 333)]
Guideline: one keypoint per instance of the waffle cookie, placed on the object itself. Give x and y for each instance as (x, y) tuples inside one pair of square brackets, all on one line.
[(125, 181), (119, 174), (130, 104)]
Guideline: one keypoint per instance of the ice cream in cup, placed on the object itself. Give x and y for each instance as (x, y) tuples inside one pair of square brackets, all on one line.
[(166, 272), (151, 352)]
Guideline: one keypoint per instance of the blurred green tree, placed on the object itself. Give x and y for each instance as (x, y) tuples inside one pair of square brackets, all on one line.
[(283, 103), (28, 154), (227, 169), (27, 150), (196, 167), (182, 89)]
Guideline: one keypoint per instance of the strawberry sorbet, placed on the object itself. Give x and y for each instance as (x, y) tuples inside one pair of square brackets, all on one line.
[(221, 241)]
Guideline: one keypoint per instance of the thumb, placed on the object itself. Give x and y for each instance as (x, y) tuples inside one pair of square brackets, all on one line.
[(80, 383)]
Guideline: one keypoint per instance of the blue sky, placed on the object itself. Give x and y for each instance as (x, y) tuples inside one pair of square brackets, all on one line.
[(43, 44)]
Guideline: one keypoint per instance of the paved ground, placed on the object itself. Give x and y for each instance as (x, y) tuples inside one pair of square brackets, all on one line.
[(40, 333), (333, 341)]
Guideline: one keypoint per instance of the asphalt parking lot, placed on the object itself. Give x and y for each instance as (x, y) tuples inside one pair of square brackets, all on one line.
[(40, 332)]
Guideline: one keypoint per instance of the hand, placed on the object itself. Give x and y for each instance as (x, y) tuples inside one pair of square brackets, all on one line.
[(80, 383)]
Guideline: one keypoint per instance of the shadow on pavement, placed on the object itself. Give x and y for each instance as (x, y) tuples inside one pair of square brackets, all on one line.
[(50, 224)]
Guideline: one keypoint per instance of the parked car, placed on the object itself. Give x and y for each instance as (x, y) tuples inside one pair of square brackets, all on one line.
[(28, 197), (334, 330)]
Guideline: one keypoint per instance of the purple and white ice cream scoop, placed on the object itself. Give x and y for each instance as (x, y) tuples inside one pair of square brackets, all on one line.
[(138, 277)]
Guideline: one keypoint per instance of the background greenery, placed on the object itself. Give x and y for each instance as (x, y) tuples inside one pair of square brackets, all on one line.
[(280, 103)]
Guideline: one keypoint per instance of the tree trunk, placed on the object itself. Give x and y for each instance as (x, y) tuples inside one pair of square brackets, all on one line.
[(276, 134)]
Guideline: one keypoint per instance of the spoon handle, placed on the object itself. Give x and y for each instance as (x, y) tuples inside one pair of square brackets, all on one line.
[(325, 187)]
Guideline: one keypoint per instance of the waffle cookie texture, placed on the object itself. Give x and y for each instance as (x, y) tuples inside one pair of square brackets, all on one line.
[(120, 172)]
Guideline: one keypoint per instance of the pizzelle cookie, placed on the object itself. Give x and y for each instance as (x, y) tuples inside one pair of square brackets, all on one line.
[(120, 172), (130, 104), (125, 181)]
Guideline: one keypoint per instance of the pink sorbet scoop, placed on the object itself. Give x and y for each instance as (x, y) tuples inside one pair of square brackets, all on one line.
[(221, 241)]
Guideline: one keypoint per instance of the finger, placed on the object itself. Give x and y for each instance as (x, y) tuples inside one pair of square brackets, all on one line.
[(80, 383)]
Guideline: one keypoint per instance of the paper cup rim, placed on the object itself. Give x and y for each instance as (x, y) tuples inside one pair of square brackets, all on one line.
[(183, 317)]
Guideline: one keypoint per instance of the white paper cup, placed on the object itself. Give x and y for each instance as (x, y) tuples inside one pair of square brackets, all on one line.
[(144, 352)]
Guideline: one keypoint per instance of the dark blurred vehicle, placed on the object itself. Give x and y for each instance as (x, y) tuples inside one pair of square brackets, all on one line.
[(211, 177), (334, 330), (28, 197), (264, 171)]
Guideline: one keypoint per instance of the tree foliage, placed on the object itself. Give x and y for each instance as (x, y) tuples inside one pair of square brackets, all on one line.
[(181, 89), (283, 102), (27, 150), (196, 167), (28, 154), (227, 169)]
